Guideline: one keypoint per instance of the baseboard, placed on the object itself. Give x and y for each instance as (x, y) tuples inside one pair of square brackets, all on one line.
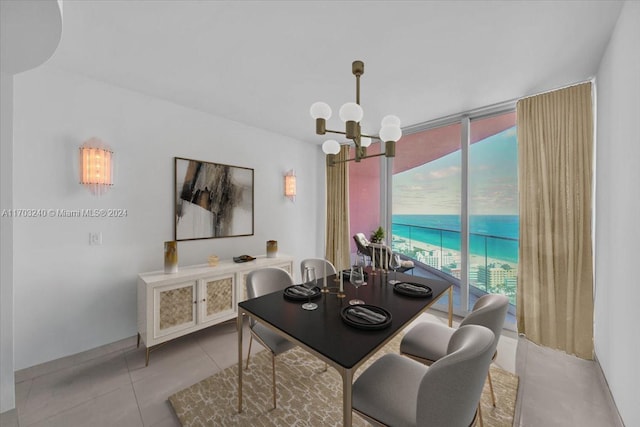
[(605, 384), (9, 418), (68, 361)]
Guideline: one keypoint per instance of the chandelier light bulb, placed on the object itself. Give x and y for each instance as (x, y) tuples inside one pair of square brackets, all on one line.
[(351, 112), (320, 110), (331, 146), (365, 141), (390, 120), (390, 133)]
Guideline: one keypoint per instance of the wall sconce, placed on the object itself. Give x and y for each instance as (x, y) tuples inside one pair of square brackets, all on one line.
[(290, 185), (96, 166)]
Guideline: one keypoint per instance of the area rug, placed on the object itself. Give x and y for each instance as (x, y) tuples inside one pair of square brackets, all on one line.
[(307, 394)]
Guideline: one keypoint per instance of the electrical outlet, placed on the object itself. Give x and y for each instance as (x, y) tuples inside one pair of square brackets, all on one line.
[(95, 238)]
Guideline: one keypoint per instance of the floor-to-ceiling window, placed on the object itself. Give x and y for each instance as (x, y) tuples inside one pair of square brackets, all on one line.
[(426, 199), (493, 206), (452, 204)]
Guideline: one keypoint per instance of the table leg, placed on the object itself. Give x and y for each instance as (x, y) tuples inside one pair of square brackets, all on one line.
[(239, 327), (347, 385), (450, 306)]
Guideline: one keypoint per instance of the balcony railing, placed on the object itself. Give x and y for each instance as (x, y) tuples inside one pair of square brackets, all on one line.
[(493, 260)]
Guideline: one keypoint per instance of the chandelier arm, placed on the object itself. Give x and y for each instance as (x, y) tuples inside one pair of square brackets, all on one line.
[(353, 159), (370, 136), (335, 131)]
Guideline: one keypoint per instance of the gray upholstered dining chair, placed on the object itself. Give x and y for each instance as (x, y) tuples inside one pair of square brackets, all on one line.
[(427, 341), (398, 391), (260, 282), (320, 264)]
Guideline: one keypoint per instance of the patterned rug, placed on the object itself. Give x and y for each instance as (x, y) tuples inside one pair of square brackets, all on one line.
[(307, 395)]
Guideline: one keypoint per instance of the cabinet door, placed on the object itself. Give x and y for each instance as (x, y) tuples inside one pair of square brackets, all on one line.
[(217, 297), (174, 308)]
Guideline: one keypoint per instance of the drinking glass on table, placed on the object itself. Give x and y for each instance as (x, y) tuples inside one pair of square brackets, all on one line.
[(309, 281), (357, 279), (395, 264)]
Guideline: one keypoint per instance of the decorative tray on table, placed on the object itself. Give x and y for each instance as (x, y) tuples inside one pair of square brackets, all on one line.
[(366, 316)]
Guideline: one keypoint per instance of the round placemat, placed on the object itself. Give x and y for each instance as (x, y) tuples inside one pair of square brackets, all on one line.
[(414, 290), (293, 293), (366, 316)]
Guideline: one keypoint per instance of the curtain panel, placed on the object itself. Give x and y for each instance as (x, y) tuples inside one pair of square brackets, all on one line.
[(337, 233), (555, 279)]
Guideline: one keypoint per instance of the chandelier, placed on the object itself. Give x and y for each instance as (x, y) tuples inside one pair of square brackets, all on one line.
[(351, 114)]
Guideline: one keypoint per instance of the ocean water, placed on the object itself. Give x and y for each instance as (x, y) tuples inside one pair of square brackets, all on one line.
[(495, 236)]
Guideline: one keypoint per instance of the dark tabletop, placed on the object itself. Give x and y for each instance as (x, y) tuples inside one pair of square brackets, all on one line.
[(324, 330)]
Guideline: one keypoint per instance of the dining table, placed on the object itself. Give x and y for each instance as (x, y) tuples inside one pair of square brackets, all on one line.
[(326, 332)]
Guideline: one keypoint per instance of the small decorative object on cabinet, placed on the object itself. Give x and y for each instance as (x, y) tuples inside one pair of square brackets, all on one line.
[(195, 298), (171, 257), (272, 248)]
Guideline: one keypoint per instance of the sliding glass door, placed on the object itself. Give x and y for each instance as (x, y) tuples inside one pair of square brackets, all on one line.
[(454, 205), (493, 206), (426, 201), (448, 201)]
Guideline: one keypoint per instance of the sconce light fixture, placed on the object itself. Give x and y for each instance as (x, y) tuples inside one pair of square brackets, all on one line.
[(351, 114), (290, 185), (96, 166)]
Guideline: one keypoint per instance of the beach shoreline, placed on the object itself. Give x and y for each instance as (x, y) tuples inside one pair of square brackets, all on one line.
[(417, 244)]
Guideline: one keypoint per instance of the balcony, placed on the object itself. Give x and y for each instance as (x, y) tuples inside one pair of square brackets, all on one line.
[(493, 260)]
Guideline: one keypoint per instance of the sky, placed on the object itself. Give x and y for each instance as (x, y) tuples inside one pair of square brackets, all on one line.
[(434, 188)]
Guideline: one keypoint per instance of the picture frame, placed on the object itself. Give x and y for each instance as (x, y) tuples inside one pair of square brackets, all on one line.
[(212, 200)]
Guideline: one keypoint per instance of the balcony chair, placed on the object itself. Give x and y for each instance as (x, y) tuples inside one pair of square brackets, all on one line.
[(260, 282), (398, 391), (362, 245), (379, 252), (427, 342)]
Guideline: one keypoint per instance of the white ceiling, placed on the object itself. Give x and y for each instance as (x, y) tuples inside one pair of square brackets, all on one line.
[(264, 63)]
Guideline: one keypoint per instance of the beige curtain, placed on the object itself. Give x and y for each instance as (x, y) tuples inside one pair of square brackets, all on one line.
[(337, 233), (555, 278)]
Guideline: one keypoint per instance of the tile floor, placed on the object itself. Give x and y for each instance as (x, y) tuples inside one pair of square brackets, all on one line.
[(110, 386)]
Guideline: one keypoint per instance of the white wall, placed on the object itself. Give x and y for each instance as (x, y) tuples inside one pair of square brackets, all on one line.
[(69, 296), (7, 386), (617, 336)]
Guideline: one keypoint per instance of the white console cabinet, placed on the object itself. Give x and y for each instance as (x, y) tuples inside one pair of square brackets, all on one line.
[(196, 297)]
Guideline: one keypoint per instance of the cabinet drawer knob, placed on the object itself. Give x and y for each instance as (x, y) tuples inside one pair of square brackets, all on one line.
[(204, 299)]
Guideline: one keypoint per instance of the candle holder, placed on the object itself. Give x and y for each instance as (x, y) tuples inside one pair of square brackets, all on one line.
[(341, 294)]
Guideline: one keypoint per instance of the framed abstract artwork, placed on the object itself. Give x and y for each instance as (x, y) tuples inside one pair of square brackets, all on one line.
[(212, 200)]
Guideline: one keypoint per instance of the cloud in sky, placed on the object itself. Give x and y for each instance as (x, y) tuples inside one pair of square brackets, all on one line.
[(445, 172), (434, 188)]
